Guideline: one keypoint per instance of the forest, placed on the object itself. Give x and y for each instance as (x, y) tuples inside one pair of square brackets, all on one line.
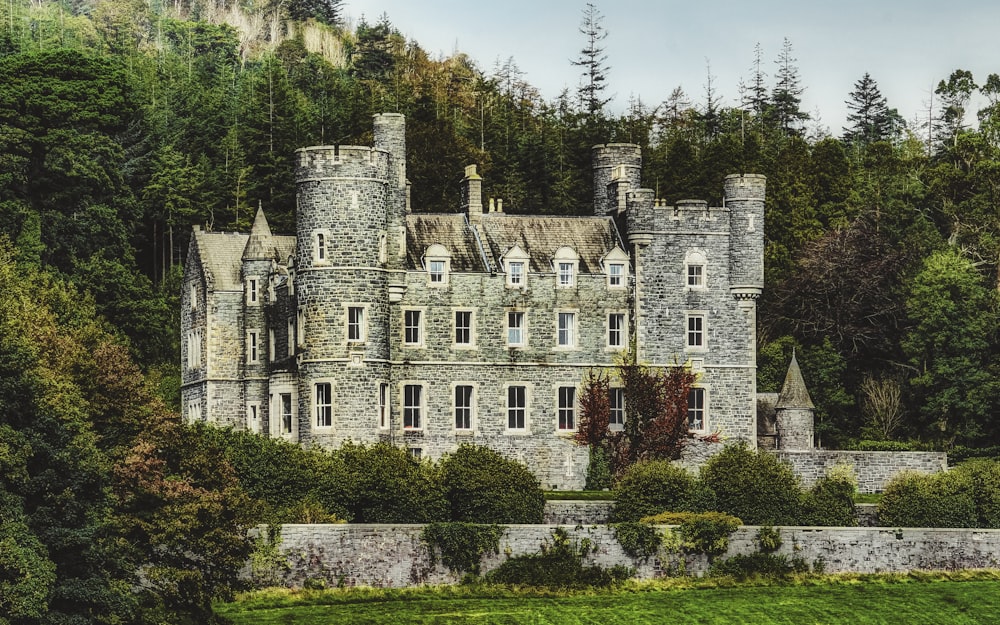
[(124, 123)]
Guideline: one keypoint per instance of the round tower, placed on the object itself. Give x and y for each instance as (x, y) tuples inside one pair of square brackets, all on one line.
[(344, 196), (794, 414), (744, 196), (615, 162)]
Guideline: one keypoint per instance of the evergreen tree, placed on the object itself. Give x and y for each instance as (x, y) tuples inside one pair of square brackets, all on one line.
[(787, 94), (869, 117), (593, 61)]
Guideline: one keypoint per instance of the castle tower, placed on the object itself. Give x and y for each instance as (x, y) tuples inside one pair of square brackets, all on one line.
[(794, 412), (615, 162), (257, 340), (744, 197), (351, 203)]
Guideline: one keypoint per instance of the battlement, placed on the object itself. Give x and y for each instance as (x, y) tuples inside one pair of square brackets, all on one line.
[(341, 161), (746, 187)]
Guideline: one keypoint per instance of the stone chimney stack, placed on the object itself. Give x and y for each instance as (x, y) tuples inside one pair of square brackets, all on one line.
[(472, 195)]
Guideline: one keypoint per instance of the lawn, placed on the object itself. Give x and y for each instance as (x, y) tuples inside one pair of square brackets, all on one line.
[(908, 600)]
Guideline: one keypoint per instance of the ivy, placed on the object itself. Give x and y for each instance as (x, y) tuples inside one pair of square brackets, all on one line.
[(639, 540), (461, 545), (700, 532), (558, 565)]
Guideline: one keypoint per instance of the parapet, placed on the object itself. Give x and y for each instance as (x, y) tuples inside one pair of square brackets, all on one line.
[(745, 187), (340, 161)]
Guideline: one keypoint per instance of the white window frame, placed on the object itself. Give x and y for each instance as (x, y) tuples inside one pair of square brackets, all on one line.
[(696, 331), (408, 406), (695, 271), (566, 265), (621, 331), (525, 409), (194, 349), (437, 263), (277, 414), (567, 333), (702, 411), (361, 324), (253, 347), (616, 275), (418, 328), (253, 417), (321, 247), (253, 292), (471, 328), (615, 265), (322, 407), (383, 406), (567, 408), (516, 278), (522, 329), (617, 412), (470, 408)]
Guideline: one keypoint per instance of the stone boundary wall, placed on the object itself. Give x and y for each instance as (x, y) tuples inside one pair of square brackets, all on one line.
[(577, 512), (393, 556), (873, 468)]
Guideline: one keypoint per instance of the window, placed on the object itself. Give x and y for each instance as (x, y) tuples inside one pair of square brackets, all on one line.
[(252, 292), (567, 408), (383, 405), (290, 348), (194, 297), (515, 273), (437, 260), (355, 324), (194, 410), (696, 276), (696, 331), (695, 267), (416, 453), (194, 349), (324, 405), (566, 333), (517, 407), (286, 413), (617, 330), (253, 347), (412, 397), (463, 328), (272, 352), (566, 274), (515, 329), (616, 401), (463, 407), (412, 328), (300, 328), (696, 409), (436, 270), (616, 275), (321, 254), (253, 417)]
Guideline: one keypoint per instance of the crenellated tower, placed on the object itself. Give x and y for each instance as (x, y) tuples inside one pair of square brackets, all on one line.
[(617, 170)]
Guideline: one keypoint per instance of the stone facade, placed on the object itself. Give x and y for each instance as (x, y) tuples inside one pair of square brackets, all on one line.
[(874, 469), (392, 556), (377, 323)]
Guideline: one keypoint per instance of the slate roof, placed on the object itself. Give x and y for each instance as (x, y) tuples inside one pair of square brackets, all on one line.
[(450, 230), (221, 255), (794, 393), (259, 243), (590, 237)]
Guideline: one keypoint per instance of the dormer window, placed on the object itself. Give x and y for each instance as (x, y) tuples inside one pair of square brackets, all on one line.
[(437, 261), (565, 263), (695, 265), (615, 265), (515, 264)]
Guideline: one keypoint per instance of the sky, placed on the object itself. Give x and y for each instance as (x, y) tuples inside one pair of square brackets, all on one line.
[(907, 46)]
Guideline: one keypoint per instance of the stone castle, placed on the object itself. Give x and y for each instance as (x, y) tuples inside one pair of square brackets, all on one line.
[(428, 330)]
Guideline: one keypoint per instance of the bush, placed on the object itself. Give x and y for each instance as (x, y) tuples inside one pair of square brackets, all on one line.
[(922, 500), (985, 478), (651, 487), (700, 532), (870, 445), (753, 485), (639, 540), (462, 545), (831, 500), (484, 487), (391, 486), (960, 454), (766, 565), (559, 565)]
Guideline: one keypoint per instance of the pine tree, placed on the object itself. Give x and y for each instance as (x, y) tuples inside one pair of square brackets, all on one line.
[(754, 95), (787, 94), (593, 61), (869, 119)]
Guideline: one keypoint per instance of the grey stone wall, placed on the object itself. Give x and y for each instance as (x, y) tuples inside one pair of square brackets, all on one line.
[(576, 512), (873, 468), (394, 555)]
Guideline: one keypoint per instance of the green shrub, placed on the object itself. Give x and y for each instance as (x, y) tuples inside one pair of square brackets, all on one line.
[(922, 500), (558, 565), (598, 469), (768, 539), (985, 478), (830, 501), (766, 565), (639, 540), (391, 486), (753, 485), (484, 487), (462, 545), (871, 445), (960, 454), (700, 532), (651, 487)]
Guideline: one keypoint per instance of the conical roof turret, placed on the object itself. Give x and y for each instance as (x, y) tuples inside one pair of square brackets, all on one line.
[(794, 394), (259, 244)]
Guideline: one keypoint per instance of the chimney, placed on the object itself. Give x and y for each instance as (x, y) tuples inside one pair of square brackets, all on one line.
[(472, 194)]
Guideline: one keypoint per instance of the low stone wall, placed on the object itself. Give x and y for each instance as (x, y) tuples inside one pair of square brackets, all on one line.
[(394, 555), (873, 468), (577, 512)]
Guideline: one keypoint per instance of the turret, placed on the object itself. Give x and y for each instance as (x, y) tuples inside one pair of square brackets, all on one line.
[(617, 171), (744, 197), (794, 412), (390, 136)]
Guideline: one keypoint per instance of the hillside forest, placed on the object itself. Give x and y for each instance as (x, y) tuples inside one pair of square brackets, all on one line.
[(124, 123)]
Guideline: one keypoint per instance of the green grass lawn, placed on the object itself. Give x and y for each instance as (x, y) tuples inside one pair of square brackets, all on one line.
[(909, 600)]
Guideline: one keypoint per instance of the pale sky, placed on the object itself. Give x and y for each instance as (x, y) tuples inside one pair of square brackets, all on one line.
[(652, 47)]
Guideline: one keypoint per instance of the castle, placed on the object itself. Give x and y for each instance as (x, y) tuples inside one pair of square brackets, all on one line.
[(377, 323)]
